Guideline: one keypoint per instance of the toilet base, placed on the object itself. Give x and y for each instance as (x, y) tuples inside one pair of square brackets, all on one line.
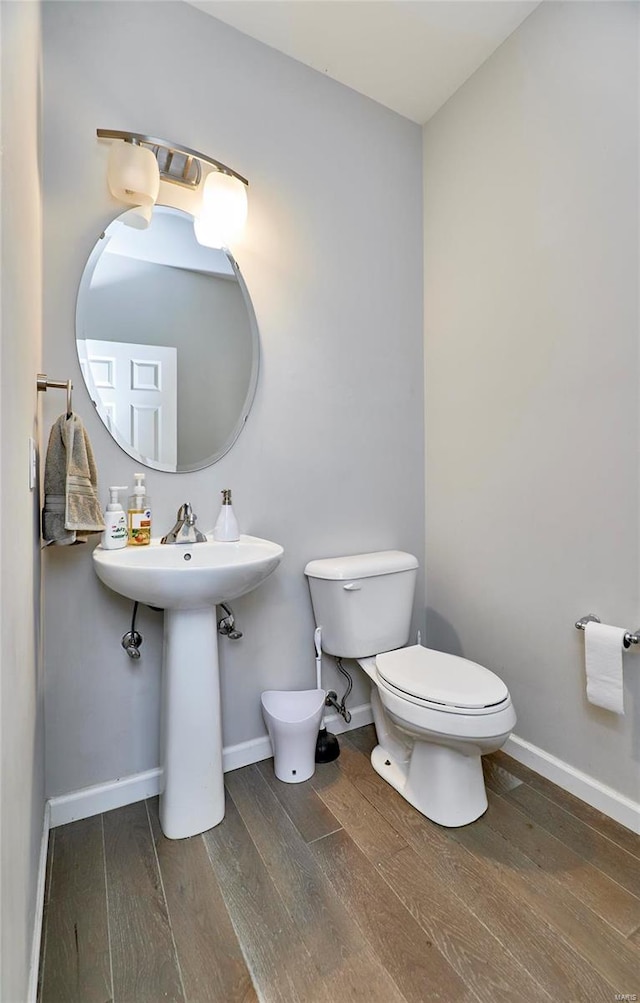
[(442, 783)]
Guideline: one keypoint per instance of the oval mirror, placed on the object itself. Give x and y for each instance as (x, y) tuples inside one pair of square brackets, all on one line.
[(167, 341)]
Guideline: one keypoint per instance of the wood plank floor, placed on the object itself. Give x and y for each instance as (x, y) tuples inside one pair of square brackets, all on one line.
[(338, 890)]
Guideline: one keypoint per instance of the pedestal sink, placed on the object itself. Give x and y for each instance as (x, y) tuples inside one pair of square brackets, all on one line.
[(187, 581)]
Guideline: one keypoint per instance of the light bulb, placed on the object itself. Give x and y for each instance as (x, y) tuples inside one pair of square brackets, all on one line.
[(223, 212)]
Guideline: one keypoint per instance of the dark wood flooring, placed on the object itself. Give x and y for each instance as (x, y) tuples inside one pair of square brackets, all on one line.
[(338, 890)]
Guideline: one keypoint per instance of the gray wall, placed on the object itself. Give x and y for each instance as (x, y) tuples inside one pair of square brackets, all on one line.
[(332, 458), (531, 286), (21, 686)]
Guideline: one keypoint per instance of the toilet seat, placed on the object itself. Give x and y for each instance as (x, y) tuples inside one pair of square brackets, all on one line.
[(440, 681)]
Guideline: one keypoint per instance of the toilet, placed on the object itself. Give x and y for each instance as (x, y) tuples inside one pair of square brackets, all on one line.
[(435, 714)]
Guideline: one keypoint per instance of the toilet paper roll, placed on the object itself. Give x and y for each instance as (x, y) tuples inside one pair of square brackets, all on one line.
[(603, 649)]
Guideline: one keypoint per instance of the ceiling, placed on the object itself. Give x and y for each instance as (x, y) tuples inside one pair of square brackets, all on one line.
[(409, 55)]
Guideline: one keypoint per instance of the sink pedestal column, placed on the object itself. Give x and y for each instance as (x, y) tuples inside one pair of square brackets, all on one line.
[(192, 800)]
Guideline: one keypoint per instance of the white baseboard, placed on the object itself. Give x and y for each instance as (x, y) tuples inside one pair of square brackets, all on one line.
[(587, 788), (90, 801), (34, 964), (126, 790), (245, 753)]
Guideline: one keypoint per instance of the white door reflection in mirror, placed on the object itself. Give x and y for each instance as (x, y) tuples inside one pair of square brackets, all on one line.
[(137, 386)]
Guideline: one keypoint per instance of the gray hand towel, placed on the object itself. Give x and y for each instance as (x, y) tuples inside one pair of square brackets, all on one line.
[(71, 507)]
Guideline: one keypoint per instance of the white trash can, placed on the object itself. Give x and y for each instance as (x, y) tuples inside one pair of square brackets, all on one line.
[(293, 722)]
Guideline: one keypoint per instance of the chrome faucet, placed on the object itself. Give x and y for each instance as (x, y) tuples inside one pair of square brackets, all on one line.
[(185, 530)]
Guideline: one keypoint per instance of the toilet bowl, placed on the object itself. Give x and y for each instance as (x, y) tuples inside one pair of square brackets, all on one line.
[(293, 720), (435, 714)]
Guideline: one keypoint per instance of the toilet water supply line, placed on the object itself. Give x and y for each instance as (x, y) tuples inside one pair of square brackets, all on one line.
[(342, 708), (331, 699)]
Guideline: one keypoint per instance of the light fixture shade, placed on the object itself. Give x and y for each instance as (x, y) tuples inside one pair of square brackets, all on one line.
[(138, 217), (223, 212), (133, 174)]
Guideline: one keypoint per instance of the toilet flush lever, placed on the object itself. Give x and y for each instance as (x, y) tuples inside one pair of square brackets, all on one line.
[(352, 587)]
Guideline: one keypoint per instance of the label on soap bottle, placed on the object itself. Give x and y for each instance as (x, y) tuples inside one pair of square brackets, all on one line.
[(140, 528), (118, 528)]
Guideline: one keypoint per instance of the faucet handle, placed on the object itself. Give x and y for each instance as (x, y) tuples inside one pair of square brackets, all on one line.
[(188, 517), (186, 514)]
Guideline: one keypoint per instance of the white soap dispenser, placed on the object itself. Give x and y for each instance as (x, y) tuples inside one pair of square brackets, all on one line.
[(226, 529), (115, 535)]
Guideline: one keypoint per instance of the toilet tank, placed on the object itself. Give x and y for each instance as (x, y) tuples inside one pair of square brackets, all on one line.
[(363, 603)]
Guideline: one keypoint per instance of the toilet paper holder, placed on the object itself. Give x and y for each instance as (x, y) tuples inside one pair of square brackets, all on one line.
[(628, 638)]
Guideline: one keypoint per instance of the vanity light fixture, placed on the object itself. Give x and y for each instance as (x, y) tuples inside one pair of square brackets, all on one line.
[(139, 163), (132, 175)]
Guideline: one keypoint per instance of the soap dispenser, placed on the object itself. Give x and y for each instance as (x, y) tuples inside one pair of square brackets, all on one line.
[(226, 529), (139, 515), (115, 535)]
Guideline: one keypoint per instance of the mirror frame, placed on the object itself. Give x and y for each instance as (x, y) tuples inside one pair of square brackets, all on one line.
[(83, 291)]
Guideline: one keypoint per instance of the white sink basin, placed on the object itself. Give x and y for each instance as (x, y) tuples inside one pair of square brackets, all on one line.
[(187, 580), (187, 576)]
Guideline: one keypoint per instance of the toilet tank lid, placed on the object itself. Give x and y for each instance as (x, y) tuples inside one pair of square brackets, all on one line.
[(383, 562)]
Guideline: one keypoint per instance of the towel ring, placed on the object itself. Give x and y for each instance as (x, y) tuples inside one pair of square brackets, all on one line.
[(43, 383)]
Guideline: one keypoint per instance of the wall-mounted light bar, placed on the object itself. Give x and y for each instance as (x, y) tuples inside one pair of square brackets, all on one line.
[(138, 163)]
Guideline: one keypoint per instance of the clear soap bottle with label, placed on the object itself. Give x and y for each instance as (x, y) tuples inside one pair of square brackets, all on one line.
[(139, 514), (115, 535), (226, 529)]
